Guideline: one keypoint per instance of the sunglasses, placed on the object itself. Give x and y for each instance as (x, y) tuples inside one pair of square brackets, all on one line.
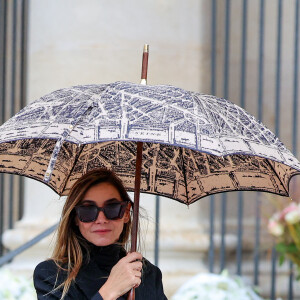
[(112, 211)]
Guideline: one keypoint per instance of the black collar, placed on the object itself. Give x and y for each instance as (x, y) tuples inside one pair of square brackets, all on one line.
[(94, 273)]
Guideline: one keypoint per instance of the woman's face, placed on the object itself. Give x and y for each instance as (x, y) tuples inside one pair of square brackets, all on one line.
[(102, 232)]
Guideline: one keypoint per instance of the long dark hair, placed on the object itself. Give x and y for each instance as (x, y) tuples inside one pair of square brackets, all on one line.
[(70, 244)]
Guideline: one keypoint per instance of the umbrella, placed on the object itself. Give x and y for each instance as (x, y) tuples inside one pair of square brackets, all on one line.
[(158, 139), (194, 145)]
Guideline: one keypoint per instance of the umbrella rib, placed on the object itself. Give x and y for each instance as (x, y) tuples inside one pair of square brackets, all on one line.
[(44, 143), (162, 105), (184, 174), (73, 166), (287, 193)]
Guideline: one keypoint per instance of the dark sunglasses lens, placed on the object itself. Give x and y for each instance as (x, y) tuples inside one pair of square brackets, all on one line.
[(114, 211), (87, 213)]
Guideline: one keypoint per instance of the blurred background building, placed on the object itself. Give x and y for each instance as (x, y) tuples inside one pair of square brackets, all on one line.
[(244, 51)]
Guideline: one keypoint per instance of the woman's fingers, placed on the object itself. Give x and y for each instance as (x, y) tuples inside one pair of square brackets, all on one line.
[(137, 279), (134, 269), (137, 265), (132, 256), (138, 274), (125, 275), (132, 261)]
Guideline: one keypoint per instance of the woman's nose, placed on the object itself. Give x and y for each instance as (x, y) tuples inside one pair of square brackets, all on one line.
[(101, 218)]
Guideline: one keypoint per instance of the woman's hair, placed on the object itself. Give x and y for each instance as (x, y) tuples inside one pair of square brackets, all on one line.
[(70, 244)]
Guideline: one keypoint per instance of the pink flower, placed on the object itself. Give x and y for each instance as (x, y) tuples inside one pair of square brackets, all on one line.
[(275, 228), (291, 207), (292, 217), (291, 214)]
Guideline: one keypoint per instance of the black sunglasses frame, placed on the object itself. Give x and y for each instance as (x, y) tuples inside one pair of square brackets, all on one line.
[(123, 205)]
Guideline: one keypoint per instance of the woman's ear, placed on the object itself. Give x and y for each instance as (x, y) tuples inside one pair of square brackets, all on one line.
[(127, 213)]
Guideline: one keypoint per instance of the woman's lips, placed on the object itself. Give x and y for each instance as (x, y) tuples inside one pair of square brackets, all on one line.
[(102, 231)]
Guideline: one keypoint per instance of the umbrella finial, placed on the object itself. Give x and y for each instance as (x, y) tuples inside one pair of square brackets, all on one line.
[(145, 64)]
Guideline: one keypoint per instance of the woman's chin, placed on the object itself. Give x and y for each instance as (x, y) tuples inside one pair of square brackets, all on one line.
[(102, 242)]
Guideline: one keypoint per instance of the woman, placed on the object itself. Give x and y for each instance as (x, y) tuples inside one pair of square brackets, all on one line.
[(89, 260)]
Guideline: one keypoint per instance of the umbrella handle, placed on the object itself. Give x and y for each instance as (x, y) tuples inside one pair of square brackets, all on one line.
[(131, 294)]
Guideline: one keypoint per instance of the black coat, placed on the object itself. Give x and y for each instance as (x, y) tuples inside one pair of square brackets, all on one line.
[(93, 275)]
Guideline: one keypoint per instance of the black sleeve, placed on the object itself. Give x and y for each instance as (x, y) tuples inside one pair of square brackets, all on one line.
[(159, 286), (160, 290), (151, 286), (97, 297), (46, 279)]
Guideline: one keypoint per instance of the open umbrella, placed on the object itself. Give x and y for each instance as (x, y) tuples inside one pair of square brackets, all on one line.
[(192, 145)]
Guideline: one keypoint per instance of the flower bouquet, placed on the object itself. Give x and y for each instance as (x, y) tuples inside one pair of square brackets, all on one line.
[(285, 226)]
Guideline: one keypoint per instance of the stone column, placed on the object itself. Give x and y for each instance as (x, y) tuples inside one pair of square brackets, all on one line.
[(42, 210)]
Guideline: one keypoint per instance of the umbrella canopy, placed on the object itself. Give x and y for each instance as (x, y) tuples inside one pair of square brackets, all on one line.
[(194, 144)]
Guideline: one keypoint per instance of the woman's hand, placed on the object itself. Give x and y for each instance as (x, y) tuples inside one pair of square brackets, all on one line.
[(125, 275)]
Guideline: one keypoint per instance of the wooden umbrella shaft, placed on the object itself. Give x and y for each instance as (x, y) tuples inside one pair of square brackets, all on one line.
[(137, 185), (136, 207), (138, 170)]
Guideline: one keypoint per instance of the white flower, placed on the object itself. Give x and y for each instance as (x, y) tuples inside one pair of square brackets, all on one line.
[(215, 287), (275, 228), (15, 287), (292, 217)]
